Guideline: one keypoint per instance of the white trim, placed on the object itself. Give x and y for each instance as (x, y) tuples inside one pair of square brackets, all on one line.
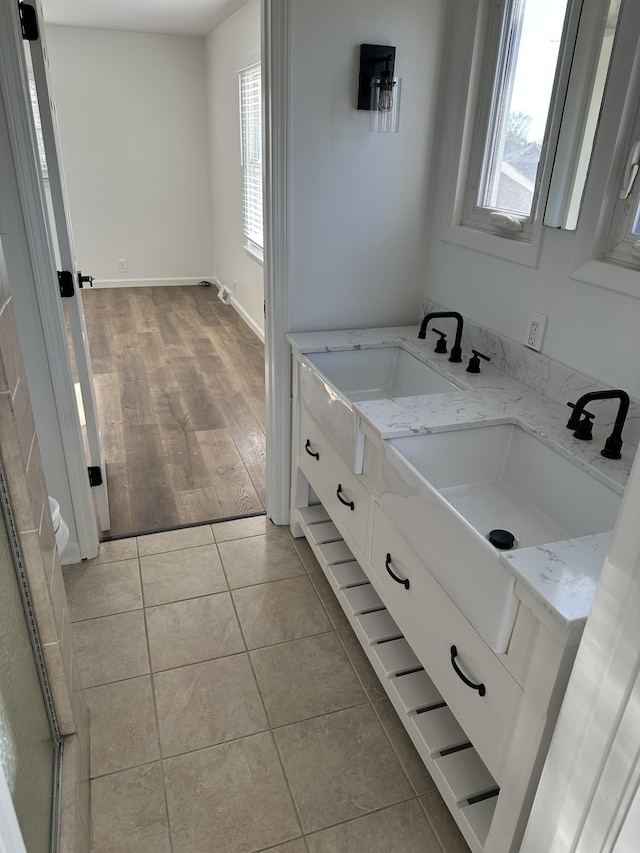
[(460, 226), (497, 245), (248, 319), (609, 155), (10, 836), (181, 281), (254, 251), (276, 80), (463, 85), (237, 307), (610, 276), (13, 79), (63, 236)]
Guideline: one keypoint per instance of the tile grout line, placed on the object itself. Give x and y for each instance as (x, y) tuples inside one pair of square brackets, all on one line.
[(155, 712), (394, 750), (230, 589), (367, 700), (268, 718), (364, 815), (431, 825), (366, 693), (273, 737)]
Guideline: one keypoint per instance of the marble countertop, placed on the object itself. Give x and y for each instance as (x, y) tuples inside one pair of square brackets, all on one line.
[(563, 576)]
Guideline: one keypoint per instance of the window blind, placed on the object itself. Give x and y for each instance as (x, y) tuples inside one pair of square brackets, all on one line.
[(251, 129)]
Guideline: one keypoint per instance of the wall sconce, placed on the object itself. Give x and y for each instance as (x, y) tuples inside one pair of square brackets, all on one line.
[(378, 89)]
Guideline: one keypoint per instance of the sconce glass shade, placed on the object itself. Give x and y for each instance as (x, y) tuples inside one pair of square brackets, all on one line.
[(384, 115)]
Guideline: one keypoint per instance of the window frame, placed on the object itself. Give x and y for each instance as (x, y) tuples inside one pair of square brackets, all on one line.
[(613, 142), (251, 134), (470, 80), (618, 248), (493, 62)]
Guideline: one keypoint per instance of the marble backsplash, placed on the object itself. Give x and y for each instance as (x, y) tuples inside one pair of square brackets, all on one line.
[(540, 373)]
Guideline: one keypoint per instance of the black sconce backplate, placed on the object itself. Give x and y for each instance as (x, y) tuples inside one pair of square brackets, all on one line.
[(369, 68)]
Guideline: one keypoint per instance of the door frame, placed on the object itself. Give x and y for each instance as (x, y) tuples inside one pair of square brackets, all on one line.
[(61, 230), (275, 58), (275, 75), (42, 270)]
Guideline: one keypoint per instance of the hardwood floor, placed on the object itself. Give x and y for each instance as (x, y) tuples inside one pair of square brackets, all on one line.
[(180, 388)]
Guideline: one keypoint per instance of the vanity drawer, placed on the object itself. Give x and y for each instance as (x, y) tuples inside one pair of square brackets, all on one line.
[(341, 492), (433, 626)]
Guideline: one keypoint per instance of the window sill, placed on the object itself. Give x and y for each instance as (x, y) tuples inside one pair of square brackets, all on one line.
[(610, 276), (255, 253), (496, 245)]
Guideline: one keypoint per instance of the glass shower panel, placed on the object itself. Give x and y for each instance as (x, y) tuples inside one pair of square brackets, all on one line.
[(27, 751)]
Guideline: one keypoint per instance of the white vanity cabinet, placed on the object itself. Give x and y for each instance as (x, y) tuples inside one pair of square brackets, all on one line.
[(481, 721), (340, 490), (433, 625)]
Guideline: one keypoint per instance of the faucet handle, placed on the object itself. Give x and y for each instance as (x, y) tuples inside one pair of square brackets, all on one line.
[(474, 361), (583, 427), (441, 346)]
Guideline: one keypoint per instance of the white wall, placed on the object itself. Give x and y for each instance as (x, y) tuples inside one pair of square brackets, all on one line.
[(590, 328), (233, 45), (359, 199), (133, 123)]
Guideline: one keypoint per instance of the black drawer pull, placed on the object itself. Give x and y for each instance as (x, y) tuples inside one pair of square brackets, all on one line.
[(307, 447), (387, 564), (350, 504), (479, 687)]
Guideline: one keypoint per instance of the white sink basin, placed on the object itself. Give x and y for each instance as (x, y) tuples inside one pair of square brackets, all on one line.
[(502, 477), (445, 491), (330, 382), (381, 373)]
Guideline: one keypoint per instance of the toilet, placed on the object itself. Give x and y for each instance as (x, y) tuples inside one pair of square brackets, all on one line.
[(59, 526)]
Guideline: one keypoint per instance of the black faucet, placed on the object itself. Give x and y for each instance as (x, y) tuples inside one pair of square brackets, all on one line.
[(456, 349), (613, 445)]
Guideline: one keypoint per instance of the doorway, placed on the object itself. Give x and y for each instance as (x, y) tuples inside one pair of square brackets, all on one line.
[(179, 381), (178, 411), (276, 323)]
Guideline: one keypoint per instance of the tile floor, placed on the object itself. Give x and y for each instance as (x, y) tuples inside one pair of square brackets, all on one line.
[(232, 708)]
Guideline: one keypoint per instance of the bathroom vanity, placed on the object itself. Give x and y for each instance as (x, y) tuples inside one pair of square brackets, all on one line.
[(402, 463)]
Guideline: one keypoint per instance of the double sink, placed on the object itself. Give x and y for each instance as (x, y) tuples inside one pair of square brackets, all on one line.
[(447, 491)]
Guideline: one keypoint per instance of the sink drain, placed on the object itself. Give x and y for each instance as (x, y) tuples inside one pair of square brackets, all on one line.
[(504, 540)]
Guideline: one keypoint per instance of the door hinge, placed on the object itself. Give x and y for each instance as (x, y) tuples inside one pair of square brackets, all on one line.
[(264, 308), (65, 280), (95, 475), (28, 21)]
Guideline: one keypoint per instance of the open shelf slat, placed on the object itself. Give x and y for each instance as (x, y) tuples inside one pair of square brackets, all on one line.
[(416, 690)]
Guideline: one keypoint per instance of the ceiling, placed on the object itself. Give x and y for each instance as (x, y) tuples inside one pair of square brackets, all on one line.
[(174, 17)]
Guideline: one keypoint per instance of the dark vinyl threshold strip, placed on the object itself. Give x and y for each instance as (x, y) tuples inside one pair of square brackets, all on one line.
[(181, 526)]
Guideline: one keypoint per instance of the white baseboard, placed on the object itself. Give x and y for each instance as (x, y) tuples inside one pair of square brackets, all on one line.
[(251, 323), (180, 282), (237, 307), (151, 282)]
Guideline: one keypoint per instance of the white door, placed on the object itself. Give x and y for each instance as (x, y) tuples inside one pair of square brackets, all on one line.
[(72, 281)]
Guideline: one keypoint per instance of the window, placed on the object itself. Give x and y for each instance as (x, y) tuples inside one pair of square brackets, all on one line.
[(251, 132), (524, 44), (623, 243)]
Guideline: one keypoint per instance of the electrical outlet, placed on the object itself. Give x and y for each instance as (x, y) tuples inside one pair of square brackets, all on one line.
[(122, 265), (536, 325)]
